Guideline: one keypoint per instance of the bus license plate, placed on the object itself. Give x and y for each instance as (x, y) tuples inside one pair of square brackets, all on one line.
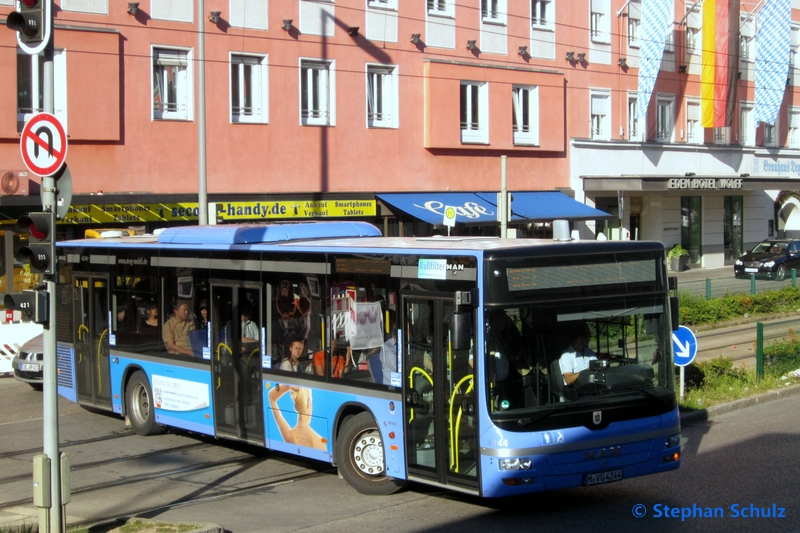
[(602, 477), (29, 367)]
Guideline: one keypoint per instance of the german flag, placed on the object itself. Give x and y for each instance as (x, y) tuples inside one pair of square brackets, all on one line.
[(720, 62)]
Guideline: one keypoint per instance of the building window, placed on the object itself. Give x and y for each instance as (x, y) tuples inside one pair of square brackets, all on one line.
[(634, 133), (493, 11), (599, 115), (542, 14), (316, 92), (665, 118), (442, 8), (692, 226), (249, 89), (793, 137), (733, 234), (771, 134), (634, 23), (525, 117), (383, 4), (721, 135), (694, 132), (747, 51), (382, 100), (30, 87), (747, 126), (172, 84), (600, 21), (474, 112), (694, 35)]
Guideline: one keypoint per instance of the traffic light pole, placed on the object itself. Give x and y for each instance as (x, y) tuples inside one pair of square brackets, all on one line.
[(56, 522)]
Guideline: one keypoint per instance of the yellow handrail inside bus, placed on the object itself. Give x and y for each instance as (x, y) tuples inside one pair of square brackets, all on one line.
[(411, 385), (454, 428), (99, 352), (80, 339), (219, 358)]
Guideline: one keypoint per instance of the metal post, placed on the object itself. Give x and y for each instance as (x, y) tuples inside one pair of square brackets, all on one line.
[(759, 351), (752, 283), (682, 380), (502, 200), (794, 277), (202, 182), (49, 385), (708, 288)]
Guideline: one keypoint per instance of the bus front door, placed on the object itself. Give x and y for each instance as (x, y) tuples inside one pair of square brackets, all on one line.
[(92, 316), (438, 384), (236, 336)]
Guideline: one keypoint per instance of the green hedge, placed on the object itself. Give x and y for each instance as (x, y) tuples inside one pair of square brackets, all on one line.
[(696, 310)]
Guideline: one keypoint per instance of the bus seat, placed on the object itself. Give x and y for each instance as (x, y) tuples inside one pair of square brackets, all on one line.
[(375, 367), (198, 340)]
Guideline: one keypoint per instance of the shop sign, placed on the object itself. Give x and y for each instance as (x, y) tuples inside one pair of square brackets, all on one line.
[(132, 213), (296, 209), (704, 183), (782, 166)]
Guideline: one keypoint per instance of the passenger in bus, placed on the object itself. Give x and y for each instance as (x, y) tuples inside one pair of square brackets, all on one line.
[(150, 322), (577, 355), (293, 362), (201, 317), (249, 328), (302, 434), (176, 330)]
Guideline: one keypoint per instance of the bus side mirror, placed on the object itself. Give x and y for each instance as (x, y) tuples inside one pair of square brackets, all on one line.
[(674, 313), (461, 330)]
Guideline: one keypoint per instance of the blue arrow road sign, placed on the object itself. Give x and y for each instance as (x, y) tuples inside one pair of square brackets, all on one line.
[(684, 346)]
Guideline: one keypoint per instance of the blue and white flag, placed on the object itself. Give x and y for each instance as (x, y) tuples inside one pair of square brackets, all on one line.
[(654, 28), (773, 42)]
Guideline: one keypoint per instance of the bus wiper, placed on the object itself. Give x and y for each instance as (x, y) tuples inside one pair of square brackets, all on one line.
[(647, 390), (541, 415)]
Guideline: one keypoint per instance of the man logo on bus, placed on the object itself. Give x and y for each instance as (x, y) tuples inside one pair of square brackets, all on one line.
[(597, 417)]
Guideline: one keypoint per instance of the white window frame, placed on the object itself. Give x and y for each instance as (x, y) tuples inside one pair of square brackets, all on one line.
[(525, 121), (318, 76), (181, 60), (634, 23), (770, 133), (747, 125), (694, 30), (747, 40), (794, 47), (793, 129), (694, 131), (722, 135), (600, 115), (382, 96), (382, 4), (258, 111), (441, 8), (665, 118), (600, 21), (475, 130), (543, 15), (634, 130), (36, 87), (493, 11)]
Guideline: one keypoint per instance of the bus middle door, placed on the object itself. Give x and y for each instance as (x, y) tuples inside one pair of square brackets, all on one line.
[(92, 319), (440, 435)]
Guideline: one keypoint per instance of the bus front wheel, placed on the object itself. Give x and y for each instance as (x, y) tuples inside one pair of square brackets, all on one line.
[(140, 408), (359, 454)]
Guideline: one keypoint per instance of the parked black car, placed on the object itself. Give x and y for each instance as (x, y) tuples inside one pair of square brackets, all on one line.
[(28, 364), (772, 258)]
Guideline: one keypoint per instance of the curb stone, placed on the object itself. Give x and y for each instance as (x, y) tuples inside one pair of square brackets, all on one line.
[(119, 522), (702, 415)]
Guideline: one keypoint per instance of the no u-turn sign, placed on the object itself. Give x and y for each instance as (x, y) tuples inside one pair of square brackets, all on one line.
[(43, 144)]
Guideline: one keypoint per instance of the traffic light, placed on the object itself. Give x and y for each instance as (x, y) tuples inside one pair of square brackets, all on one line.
[(32, 304), (40, 250), (32, 24)]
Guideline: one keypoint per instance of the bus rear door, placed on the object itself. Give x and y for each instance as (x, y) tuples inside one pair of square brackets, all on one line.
[(439, 386), (92, 369)]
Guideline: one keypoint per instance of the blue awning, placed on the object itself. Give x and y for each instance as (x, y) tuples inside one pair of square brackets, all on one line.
[(481, 207), (429, 206), (545, 206)]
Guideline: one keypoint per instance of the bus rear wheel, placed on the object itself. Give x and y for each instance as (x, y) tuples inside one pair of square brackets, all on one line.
[(359, 454), (139, 406)]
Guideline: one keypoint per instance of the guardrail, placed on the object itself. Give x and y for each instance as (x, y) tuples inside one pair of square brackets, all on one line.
[(715, 288)]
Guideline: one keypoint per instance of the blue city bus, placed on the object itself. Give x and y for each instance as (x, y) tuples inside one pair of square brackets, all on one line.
[(436, 360)]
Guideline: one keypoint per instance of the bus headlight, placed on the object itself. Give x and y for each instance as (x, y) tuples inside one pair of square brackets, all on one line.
[(672, 441), (516, 463)]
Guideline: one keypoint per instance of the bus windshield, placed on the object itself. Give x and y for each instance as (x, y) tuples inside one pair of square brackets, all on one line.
[(596, 351)]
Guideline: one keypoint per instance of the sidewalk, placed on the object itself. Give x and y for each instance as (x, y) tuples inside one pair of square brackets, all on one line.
[(701, 274)]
